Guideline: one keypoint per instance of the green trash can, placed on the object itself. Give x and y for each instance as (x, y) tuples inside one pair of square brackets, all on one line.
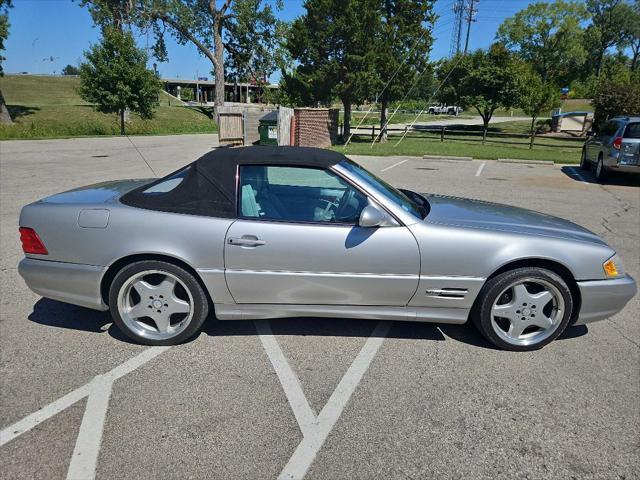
[(268, 129)]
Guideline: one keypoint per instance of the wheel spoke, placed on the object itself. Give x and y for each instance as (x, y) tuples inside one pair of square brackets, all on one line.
[(167, 286), (143, 288), (140, 310), (541, 320), (521, 294), (175, 305), (505, 311), (541, 299), (162, 321), (515, 329)]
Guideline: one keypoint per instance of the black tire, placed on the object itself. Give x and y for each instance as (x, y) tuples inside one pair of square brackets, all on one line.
[(482, 317), (584, 163), (200, 305), (601, 171)]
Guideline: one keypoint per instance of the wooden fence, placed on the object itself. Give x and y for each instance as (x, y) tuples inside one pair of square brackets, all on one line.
[(445, 133)]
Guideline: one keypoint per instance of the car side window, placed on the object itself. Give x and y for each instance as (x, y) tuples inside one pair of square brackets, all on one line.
[(632, 131), (609, 129), (297, 194)]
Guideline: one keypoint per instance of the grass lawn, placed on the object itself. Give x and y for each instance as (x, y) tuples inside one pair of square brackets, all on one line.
[(405, 118), (568, 105), (468, 146), (49, 107)]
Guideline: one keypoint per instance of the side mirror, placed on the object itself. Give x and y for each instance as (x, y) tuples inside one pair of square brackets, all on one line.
[(372, 216)]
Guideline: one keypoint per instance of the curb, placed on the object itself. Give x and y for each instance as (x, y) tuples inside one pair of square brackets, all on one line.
[(526, 162), (444, 157)]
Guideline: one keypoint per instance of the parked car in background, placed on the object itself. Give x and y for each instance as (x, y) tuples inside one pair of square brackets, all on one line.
[(615, 147), (267, 232), (445, 109)]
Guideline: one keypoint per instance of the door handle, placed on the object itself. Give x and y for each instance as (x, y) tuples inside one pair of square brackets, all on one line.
[(245, 241)]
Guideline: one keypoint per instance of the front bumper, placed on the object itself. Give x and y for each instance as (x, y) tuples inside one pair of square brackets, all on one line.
[(66, 282), (603, 298)]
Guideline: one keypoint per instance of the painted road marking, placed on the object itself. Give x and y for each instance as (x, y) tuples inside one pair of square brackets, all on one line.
[(576, 172), (290, 383), (316, 429), (480, 168), (394, 165), (85, 454), (95, 388)]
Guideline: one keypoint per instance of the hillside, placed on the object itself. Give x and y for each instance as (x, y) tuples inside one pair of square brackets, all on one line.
[(49, 107)]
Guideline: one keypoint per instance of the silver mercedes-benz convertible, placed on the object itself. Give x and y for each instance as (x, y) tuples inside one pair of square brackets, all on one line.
[(266, 232)]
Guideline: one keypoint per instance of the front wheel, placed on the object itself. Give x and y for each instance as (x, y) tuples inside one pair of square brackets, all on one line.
[(157, 303), (523, 309)]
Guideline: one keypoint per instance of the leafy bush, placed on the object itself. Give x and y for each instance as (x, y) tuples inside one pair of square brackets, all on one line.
[(614, 97)]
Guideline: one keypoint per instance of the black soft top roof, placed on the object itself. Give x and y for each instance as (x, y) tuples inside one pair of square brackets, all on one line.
[(209, 187)]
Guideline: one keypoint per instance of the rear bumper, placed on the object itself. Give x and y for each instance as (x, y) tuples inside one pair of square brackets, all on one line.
[(603, 298), (66, 282)]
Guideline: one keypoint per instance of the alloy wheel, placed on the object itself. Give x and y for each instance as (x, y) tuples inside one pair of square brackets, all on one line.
[(155, 304), (527, 311)]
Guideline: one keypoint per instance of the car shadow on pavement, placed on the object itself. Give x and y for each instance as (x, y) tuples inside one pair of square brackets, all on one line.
[(612, 178), (63, 315)]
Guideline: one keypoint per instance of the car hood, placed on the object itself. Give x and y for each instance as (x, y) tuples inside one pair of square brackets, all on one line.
[(103, 192), (469, 213)]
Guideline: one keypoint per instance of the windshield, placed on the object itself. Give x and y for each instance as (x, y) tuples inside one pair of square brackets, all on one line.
[(393, 194)]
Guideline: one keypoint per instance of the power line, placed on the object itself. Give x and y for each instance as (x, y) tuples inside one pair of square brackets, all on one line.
[(470, 11), (458, 9)]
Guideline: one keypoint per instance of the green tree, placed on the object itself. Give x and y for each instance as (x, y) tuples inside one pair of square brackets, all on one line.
[(616, 96), (609, 19), (70, 70), (536, 97), (331, 43), (489, 80), (631, 34), (401, 50), (246, 29), (115, 77), (547, 35), (5, 5)]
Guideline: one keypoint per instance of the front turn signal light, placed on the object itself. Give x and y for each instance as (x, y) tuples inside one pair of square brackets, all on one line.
[(613, 267)]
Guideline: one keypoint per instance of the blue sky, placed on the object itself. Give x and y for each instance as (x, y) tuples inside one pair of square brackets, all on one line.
[(46, 35)]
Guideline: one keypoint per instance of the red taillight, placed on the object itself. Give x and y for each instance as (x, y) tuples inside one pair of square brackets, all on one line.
[(617, 143), (31, 243)]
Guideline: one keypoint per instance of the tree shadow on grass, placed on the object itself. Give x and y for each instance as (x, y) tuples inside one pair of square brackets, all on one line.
[(19, 111)]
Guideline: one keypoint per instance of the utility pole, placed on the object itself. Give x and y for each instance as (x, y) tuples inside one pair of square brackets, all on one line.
[(471, 11), (456, 34)]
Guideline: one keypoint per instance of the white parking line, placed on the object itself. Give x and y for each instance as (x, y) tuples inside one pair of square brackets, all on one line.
[(290, 383), (394, 165), (85, 454), (12, 431), (313, 440), (480, 168), (576, 172)]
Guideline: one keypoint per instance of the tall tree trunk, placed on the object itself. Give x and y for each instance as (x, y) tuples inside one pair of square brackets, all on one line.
[(533, 133), (219, 62), (347, 119), (384, 111), (5, 116), (122, 130)]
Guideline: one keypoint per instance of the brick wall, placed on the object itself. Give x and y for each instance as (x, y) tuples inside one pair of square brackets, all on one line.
[(315, 127)]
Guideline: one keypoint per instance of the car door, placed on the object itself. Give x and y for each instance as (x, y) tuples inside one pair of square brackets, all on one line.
[(297, 241)]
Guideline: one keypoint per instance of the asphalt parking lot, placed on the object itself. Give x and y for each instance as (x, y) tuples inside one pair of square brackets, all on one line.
[(324, 398)]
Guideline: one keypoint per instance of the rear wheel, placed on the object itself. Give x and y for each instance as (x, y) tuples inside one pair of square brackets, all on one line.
[(601, 172), (524, 309), (157, 303), (584, 162)]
